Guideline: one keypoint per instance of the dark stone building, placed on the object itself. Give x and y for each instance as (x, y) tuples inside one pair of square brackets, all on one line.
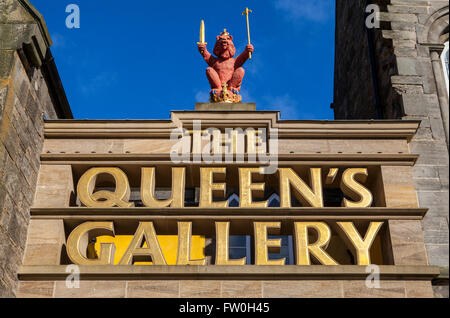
[(30, 90), (400, 71)]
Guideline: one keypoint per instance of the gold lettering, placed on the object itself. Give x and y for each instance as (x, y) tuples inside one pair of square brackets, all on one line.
[(79, 239), (264, 246), (103, 198), (317, 250), (354, 190), (247, 188), (148, 184), (208, 189), (359, 247), (222, 245), (303, 193), (135, 252), (184, 245)]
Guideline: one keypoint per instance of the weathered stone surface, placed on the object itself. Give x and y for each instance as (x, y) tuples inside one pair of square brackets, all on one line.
[(91, 289), (35, 289), (303, 289), (441, 291), (241, 289), (388, 289), (55, 186), (407, 243), (399, 189), (45, 241), (153, 289), (21, 134), (418, 289), (412, 86), (199, 289)]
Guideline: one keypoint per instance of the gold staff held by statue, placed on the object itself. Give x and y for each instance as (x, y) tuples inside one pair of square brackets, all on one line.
[(202, 33), (246, 12)]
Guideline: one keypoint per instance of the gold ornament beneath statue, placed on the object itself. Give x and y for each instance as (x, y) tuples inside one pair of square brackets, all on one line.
[(225, 96)]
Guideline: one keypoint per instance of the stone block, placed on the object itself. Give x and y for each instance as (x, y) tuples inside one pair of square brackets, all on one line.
[(55, 186), (147, 146), (418, 289), (35, 289), (438, 254), (440, 291), (153, 289), (436, 237), (399, 35), (443, 177), (200, 289), (5, 291), (9, 137), (432, 184), (242, 289), (398, 17), (11, 179), (436, 201), (17, 228), (408, 9), (406, 231), (407, 242), (302, 289), (398, 187), (45, 241), (388, 289), (6, 62), (6, 207), (431, 153), (91, 289), (10, 258), (425, 172), (99, 146), (435, 223), (414, 104)]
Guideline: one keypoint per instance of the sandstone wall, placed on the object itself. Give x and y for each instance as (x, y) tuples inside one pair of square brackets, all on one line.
[(409, 80), (25, 98)]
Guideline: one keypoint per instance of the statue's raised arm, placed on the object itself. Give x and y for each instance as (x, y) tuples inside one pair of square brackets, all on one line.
[(209, 59)]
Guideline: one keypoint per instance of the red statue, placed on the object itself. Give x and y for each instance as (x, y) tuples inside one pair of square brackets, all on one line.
[(225, 73)]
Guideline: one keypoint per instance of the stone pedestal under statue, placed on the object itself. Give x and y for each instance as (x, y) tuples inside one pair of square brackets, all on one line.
[(225, 106)]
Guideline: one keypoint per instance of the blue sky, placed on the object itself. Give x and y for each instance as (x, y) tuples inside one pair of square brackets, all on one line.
[(139, 60)]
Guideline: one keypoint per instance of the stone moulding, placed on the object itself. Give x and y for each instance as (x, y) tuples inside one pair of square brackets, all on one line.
[(245, 272), (283, 159), (97, 129), (192, 213)]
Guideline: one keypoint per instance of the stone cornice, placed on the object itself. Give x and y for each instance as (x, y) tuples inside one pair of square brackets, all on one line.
[(97, 129), (214, 214), (246, 272), (39, 19), (283, 159)]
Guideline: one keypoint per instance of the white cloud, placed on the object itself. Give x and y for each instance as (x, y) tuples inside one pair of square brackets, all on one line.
[(313, 10), (58, 41), (98, 82), (287, 106), (202, 97)]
